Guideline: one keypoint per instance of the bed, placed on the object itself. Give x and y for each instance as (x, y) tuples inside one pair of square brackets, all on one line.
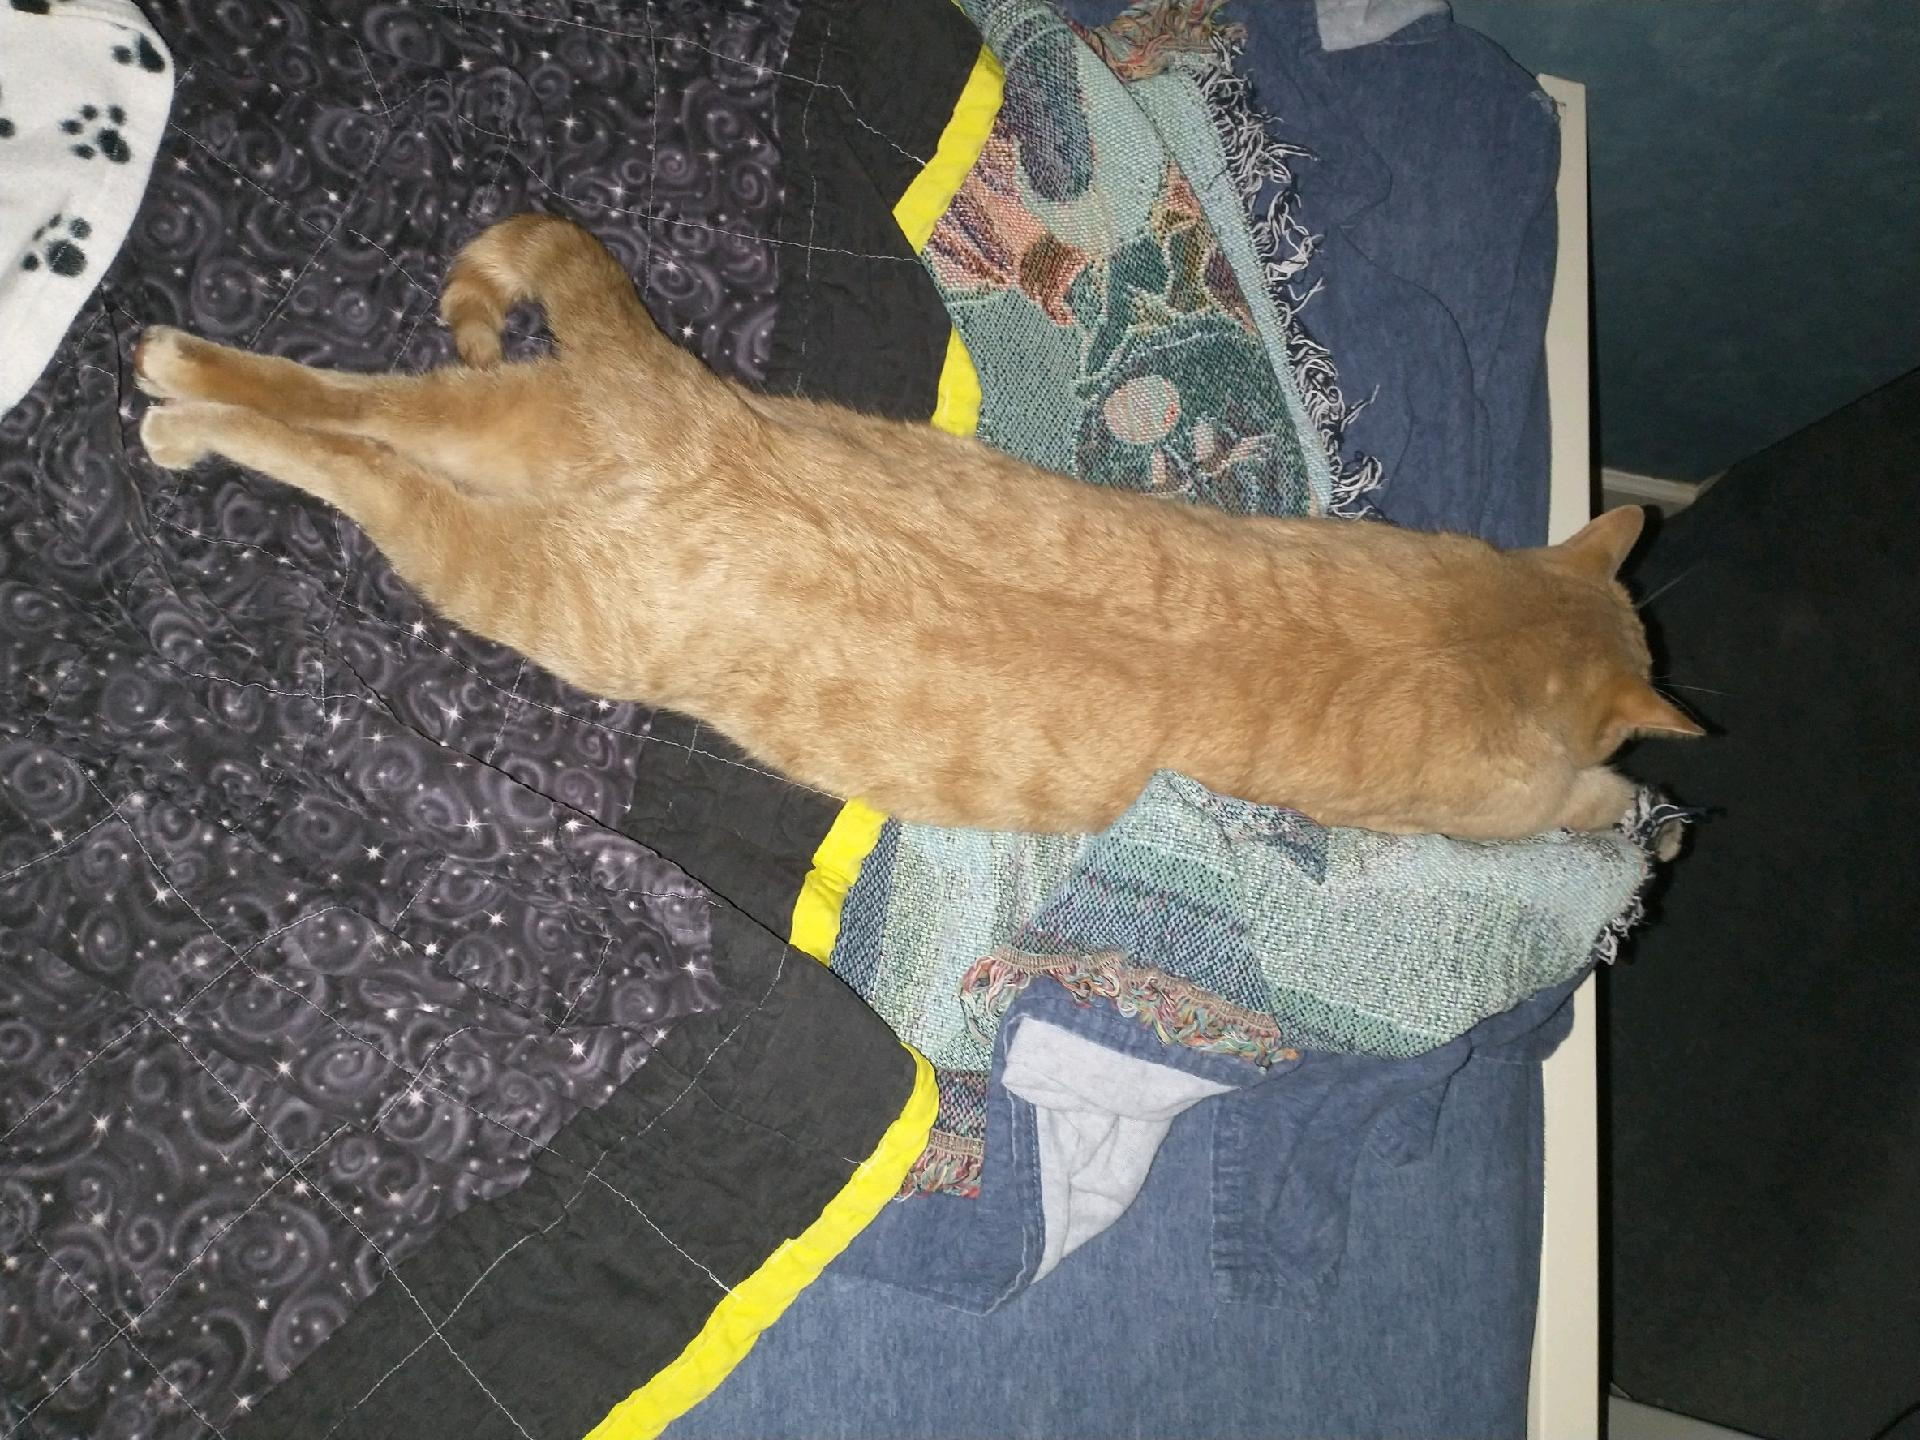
[(400, 1039), (1565, 1392)]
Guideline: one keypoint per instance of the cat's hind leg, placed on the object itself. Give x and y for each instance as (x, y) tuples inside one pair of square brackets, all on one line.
[(170, 364), (431, 532), (497, 431), (502, 567), (366, 479)]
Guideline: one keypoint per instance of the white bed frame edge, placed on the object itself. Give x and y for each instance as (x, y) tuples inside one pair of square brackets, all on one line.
[(1563, 1400)]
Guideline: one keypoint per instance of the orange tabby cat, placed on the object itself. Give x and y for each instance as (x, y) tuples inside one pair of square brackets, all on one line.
[(883, 610)]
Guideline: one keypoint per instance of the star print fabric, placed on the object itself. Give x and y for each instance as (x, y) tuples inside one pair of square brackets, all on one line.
[(315, 923)]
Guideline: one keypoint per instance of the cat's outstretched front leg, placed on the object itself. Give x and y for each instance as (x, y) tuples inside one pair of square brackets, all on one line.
[(1597, 801)]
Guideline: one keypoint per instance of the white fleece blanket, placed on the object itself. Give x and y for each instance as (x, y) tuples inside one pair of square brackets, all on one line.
[(85, 86)]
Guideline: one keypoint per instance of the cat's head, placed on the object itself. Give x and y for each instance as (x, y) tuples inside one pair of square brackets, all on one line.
[(1605, 668)]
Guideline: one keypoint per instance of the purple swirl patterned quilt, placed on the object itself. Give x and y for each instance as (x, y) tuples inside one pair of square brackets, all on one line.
[(359, 1073)]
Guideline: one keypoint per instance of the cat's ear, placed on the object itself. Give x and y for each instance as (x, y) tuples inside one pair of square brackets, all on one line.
[(1633, 707), (1602, 543)]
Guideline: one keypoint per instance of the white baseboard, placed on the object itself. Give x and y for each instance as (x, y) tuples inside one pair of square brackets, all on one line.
[(1624, 487), (1630, 1420)]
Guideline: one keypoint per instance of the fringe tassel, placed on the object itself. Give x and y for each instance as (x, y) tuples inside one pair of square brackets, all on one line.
[(1180, 1012), (950, 1165), (1256, 160), (1655, 824)]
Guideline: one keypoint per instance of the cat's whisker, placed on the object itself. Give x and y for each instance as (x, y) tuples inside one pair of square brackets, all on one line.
[(1644, 603)]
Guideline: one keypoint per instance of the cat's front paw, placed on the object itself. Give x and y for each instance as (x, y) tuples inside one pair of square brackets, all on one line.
[(1667, 840), (164, 363), (175, 435)]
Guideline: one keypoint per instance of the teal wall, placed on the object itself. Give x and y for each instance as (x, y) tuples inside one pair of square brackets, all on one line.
[(1755, 182)]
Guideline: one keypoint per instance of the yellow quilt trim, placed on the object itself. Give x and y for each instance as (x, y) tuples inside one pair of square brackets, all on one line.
[(759, 1300), (961, 142), (958, 409), (856, 829), (836, 865), (926, 200), (756, 1302)]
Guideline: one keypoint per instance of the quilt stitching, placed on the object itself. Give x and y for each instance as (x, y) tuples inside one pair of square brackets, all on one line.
[(297, 1165), (419, 1079), (680, 41)]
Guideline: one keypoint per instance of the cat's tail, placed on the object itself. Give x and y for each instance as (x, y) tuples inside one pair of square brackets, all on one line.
[(589, 299)]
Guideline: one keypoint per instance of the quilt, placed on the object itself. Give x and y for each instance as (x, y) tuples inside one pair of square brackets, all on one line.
[(368, 1067)]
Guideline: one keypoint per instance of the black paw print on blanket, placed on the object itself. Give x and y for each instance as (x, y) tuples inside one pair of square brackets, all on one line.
[(55, 247), (33, 7), (137, 51), (105, 138), (6, 125)]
